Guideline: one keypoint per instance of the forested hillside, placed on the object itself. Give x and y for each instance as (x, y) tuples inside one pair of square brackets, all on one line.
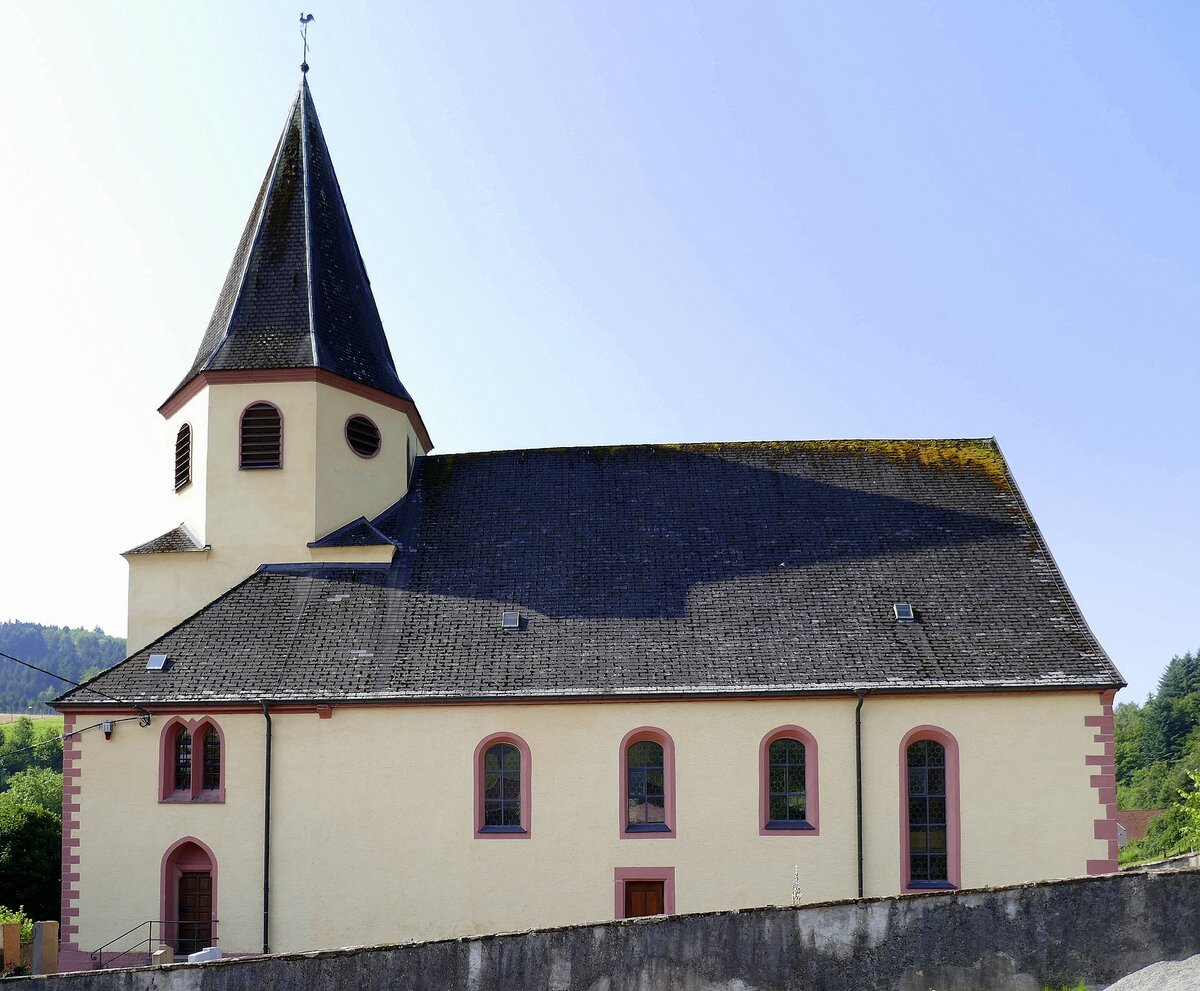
[(76, 654), (1157, 752)]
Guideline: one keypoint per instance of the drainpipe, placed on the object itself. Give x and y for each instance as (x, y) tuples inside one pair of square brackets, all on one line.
[(266, 706), (862, 694)]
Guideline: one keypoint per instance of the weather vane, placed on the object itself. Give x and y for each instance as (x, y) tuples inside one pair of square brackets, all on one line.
[(305, 21)]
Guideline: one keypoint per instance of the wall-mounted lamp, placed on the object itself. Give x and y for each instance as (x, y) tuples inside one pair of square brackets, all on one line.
[(107, 727)]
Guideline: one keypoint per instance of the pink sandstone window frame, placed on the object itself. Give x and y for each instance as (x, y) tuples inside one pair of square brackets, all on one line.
[(242, 436), (953, 807), (660, 736), (623, 874), (198, 728), (811, 791), (170, 870), (481, 833)]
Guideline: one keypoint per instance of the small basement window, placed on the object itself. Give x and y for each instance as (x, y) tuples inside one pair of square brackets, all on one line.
[(262, 436), (183, 456), (363, 436)]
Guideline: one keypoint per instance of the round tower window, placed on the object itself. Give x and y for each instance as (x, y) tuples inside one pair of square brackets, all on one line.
[(363, 436)]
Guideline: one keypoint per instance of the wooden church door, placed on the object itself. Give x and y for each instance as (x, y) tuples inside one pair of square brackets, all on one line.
[(644, 898), (195, 911)]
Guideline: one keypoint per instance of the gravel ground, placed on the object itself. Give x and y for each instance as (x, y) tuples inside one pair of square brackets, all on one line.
[(1171, 975)]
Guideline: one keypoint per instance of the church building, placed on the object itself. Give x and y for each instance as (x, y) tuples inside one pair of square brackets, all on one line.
[(376, 694)]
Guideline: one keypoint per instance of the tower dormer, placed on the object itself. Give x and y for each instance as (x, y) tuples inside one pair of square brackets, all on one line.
[(292, 420)]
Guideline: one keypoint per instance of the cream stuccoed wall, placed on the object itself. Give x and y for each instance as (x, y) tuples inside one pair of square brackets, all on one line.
[(252, 517), (372, 822)]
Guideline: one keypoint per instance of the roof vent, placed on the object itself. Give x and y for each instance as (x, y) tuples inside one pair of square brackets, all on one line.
[(156, 662), (904, 612), (511, 620)]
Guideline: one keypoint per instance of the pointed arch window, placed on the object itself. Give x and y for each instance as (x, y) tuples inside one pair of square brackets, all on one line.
[(192, 761), (212, 760), (261, 436), (183, 759), (183, 456)]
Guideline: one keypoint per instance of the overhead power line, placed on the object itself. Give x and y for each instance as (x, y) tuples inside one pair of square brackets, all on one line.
[(132, 705)]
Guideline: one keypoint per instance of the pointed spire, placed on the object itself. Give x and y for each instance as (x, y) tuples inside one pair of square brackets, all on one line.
[(297, 294)]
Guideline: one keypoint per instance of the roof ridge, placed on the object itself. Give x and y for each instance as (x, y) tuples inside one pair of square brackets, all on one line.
[(305, 98), (272, 175), (709, 445)]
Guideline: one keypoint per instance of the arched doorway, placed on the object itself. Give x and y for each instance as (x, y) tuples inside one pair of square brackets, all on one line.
[(189, 896)]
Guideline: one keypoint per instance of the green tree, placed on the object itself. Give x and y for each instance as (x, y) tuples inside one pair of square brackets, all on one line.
[(1190, 813), (1174, 712), (30, 850), (37, 786), (68, 652), (1128, 727)]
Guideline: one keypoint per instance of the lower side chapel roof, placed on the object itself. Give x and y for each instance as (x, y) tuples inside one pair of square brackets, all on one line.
[(664, 570)]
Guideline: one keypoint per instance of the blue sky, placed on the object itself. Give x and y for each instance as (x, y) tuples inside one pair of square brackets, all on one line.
[(644, 222)]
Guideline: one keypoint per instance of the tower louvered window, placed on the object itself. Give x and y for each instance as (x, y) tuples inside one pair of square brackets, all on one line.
[(183, 456), (363, 436), (262, 436)]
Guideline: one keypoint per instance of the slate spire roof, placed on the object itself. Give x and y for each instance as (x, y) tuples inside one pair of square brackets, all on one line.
[(297, 293)]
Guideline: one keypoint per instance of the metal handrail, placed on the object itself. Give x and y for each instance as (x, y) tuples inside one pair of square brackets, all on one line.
[(97, 955)]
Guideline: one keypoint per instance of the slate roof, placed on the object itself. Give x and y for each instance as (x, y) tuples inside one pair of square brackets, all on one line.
[(297, 294), (177, 541), (735, 569), (357, 533)]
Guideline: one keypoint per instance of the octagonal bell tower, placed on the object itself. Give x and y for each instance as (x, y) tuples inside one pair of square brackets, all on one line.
[(292, 421)]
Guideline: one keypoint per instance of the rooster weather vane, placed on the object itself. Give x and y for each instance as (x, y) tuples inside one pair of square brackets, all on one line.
[(305, 21)]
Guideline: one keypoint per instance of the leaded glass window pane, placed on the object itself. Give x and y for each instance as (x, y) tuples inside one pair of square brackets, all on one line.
[(212, 760), (787, 803), (645, 784), (183, 760), (502, 787), (927, 809)]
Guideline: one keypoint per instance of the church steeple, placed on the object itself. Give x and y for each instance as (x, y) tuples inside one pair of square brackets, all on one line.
[(292, 423), (297, 295)]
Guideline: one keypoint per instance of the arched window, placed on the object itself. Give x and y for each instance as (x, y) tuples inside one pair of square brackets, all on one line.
[(503, 771), (183, 456), (212, 760), (192, 761), (647, 783), (183, 759), (929, 814), (262, 437), (787, 773)]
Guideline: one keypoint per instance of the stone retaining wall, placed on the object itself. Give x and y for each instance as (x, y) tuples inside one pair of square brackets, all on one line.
[(1006, 939)]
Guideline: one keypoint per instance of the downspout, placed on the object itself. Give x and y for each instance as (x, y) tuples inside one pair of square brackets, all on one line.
[(862, 694), (266, 706)]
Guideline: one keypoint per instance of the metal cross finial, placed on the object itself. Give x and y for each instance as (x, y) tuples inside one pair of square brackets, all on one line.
[(305, 21)]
